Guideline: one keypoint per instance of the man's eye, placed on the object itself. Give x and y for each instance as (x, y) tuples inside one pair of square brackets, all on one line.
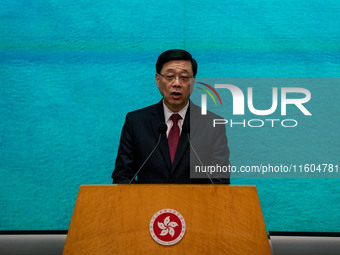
[(170, 77), (184, 77)]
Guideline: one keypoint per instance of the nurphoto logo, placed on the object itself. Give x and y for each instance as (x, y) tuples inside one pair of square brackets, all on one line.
[(297, 97)]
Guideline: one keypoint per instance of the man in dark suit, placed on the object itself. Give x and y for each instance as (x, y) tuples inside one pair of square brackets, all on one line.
[(159, 136)]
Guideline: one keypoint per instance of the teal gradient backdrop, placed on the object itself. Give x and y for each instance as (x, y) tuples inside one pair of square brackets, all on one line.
[(71, 70)]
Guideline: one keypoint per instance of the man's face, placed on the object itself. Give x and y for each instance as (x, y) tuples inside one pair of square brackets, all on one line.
[(175, 83)]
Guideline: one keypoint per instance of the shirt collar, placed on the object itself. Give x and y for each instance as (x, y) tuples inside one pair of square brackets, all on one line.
[(168, 113)]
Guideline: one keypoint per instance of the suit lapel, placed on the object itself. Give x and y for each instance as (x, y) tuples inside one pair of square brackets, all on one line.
[(156, 119)]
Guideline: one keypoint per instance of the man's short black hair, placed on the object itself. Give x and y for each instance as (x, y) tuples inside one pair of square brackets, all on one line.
[(175, 54)]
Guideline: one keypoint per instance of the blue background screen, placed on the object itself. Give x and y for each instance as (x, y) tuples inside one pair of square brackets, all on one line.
[(71, 70)]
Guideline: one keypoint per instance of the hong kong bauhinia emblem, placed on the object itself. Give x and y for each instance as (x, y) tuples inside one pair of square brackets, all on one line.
[(167, 227)]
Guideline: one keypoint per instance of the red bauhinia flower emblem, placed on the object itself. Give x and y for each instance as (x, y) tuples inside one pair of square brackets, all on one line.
[(167, 227)]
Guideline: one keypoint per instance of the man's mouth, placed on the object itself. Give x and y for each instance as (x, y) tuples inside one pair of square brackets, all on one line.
[(176, 95)]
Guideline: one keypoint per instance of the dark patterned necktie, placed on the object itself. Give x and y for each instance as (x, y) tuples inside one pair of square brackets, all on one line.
[(173, 136)]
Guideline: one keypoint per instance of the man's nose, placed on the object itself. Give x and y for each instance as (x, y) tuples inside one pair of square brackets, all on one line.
[(177, 81)]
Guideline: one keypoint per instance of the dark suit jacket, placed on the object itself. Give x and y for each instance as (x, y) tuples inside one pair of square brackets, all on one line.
[(140, 135)]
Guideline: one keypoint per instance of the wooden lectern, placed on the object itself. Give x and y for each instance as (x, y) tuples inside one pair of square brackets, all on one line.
[(219, 219)]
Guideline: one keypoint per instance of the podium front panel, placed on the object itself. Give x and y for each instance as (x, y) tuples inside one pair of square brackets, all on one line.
[(219, 219)]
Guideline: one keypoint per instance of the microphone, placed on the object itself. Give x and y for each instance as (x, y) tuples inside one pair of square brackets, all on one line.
[(162, 127), (186, 129)]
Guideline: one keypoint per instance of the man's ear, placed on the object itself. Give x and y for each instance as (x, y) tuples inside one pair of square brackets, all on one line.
[(192, 84), (157, 79)]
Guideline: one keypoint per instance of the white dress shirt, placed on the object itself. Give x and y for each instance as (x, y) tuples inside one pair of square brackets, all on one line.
[(168, 120)]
